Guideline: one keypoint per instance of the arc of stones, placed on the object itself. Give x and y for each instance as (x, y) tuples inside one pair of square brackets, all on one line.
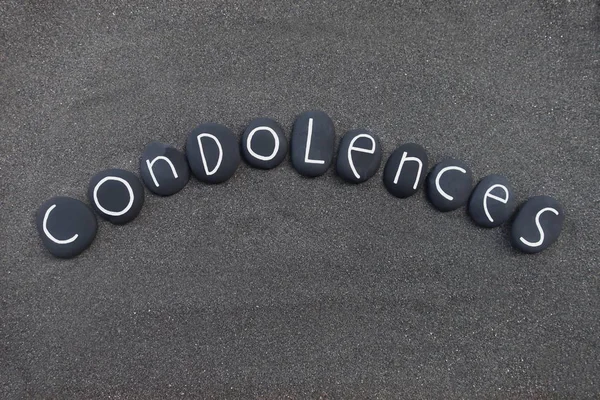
[(67, 226)]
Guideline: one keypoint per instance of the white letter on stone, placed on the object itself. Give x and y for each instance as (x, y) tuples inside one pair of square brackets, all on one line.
[(537, 223), (150, 164), (308, 140), (437, 180), (404, 158), (359, 149), (491, 196), (213, 137), (47, 232), (249, 143), (104, 210)]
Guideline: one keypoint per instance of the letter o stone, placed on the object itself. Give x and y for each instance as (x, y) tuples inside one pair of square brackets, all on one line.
[(116, 195), (264, 144)]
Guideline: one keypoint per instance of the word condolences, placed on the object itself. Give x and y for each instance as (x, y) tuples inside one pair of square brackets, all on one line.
[(212, 154)]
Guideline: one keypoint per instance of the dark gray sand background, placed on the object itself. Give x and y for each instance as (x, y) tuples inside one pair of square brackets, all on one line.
[(274, 285)]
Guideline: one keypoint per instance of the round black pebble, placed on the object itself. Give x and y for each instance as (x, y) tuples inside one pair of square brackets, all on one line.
[(537, 225), (359, 156), (212, 152), (66, 226), (116, 195), (264, 144), (313, 143), (449, 185), (405, 170), (164, 169), (492, 202)]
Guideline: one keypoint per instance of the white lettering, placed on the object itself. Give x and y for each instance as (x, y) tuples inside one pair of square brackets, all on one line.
[(150, 164), (129, 189), (491, 196), (47, 232), (359, 149), (213, 137), (404, 158), (437, 180), (539, 227), (249, 143), (308, 140)]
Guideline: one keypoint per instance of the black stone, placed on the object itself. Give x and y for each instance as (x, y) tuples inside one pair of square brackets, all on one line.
[(454, 183), (205, 164), (69, 221), (533, 230), (164, 169), (413, 172), (260, 147), (317, 160), (365, 162), (116, 191), (492, 202)]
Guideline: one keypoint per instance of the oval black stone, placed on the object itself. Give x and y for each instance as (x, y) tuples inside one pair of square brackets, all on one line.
[(537, 225), (264, 144), (449, 184), (116, 195), (492, 202), (212, 152), (313, 143), (164, 169), (359, 156), (405, 170), (66, 226)]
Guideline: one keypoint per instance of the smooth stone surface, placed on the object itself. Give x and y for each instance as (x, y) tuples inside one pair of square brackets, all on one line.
[(66, 226), (492, 202), (164, 169), (264, 144), (359, 156), (406, 180), (116, 195), (537, 225), (449, 184), (212, 152), (313, 143)]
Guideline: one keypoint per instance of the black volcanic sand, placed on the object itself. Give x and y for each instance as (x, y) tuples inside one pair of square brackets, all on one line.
[(277, 286)]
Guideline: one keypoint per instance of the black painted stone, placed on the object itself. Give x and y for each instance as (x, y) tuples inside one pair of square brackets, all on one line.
[(494, 208), (525, 226), (113, 195), (205, 164), (66, 217), (319, 157), (455, 183), (158, 175), (365, 163), (260, 148), (411, 175)]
